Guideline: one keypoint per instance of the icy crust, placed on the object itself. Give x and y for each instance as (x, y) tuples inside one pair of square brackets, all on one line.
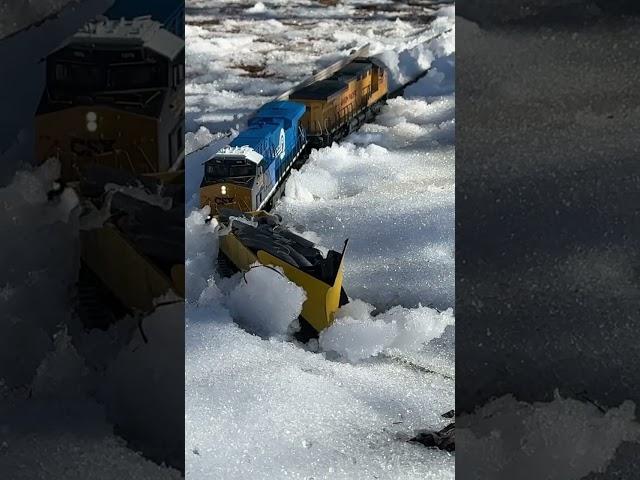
[(393, 199), (565, 439)]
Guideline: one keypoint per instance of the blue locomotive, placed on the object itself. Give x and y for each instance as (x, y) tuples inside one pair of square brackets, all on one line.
[(247, 174)]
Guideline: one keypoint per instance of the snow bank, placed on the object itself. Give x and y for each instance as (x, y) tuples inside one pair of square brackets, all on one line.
[(407, 61), (356, 335), (240, 62), (201, 249), (263, 408), (564, 439)]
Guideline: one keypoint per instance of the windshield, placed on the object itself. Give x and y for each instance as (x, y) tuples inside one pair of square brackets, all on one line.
[(230, 170), (134, 76), (95, 77)]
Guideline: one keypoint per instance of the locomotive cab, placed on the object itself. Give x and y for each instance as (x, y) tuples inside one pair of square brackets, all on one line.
[(229, 178), (114, 97)]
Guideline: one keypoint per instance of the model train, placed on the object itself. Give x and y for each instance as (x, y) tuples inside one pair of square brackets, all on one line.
[(114, 97), (112, 113), (249, 174)]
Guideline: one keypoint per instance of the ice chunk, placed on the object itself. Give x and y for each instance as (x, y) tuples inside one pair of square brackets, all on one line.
[(257, 8), (201, 249), (266, 302), (356, 335)]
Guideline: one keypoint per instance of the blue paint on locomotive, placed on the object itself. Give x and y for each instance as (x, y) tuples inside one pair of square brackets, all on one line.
[(275, 133)]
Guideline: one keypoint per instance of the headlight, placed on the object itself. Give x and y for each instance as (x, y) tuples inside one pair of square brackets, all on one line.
[(92, 121), (223, 190)]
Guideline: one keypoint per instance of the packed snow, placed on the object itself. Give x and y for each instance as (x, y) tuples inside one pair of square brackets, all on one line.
[(258, 403)]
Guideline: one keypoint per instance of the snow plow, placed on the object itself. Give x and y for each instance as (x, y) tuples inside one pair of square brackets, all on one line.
[(132, 242), (253, 239)]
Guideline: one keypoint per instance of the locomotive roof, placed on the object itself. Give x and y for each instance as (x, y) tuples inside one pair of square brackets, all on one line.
[(281, 109), (354, 69), (141, 31), (322, 90)]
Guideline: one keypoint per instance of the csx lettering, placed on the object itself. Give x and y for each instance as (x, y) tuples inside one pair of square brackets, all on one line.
[(89, 147), (223, 201)]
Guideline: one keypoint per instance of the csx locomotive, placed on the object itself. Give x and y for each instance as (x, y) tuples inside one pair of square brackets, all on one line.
[(113, 114), (114, 97), (249, 174)]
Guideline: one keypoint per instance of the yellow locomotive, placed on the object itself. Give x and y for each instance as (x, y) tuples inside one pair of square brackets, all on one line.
[(115, 97), (341, 103)]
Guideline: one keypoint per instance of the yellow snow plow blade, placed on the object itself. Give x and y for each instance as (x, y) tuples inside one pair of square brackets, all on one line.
[(134, 280), (323, 295)]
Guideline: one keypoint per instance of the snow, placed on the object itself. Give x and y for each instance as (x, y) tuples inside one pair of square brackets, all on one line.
[(45, 438), (238, 60), (269, 409), (62, 387), (564, 439), (243, 151), (356, 335), (259, 404), (268, 315)]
